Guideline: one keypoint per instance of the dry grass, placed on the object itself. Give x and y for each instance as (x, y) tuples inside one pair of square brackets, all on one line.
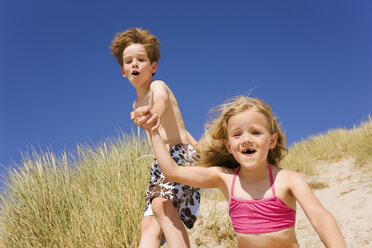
[(213, 227), (331, 146), (91, 199)]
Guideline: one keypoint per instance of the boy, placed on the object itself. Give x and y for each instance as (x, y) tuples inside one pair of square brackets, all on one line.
[(167, 203)]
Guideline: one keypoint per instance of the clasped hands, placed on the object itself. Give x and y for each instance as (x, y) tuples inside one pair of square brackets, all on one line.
[(143, 117)]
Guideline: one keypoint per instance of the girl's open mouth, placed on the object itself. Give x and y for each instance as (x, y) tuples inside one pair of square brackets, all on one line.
[(249, 151)]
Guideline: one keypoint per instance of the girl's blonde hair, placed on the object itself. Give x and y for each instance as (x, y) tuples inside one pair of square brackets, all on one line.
[(211, 148)]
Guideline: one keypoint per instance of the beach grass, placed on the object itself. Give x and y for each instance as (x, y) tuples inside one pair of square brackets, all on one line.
[(92, 198), (331, 146)]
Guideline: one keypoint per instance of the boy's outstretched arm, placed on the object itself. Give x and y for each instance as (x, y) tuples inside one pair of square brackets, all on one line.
[(160, 98)]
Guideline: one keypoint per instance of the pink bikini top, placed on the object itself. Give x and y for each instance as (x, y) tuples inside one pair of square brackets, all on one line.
[(262, 215)]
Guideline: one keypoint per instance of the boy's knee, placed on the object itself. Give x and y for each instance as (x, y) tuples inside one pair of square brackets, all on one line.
[(150, 232), (160, 206), (149, 226)]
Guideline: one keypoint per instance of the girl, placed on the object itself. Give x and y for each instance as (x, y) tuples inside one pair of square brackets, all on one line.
[(240, 152)]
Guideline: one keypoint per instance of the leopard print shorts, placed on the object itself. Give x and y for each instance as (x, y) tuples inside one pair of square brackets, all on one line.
[(185, 198)]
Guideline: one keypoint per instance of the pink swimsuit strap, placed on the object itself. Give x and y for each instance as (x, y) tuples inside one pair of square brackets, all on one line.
[(271, 180)]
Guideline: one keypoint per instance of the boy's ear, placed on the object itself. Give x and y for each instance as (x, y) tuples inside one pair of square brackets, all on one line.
[(154, 66), (122, 71), (273, 140), (227, 144)]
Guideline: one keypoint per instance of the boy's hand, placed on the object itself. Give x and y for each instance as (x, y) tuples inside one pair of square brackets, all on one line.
[(142, 117)]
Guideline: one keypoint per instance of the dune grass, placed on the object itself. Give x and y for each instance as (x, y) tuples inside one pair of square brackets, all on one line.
[(331, 146), (94, 197)]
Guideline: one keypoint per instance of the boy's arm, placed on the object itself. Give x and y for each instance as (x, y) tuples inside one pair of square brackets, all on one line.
[(160, 96), (322, 220)]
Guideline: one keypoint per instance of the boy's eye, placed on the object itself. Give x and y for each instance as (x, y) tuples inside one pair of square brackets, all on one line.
[(128, 61)]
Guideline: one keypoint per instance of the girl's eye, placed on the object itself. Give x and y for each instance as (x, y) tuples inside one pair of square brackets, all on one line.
[(256, 132), (236, 134)]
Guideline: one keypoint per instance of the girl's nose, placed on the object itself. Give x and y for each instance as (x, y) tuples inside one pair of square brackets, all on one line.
[(246, 138)]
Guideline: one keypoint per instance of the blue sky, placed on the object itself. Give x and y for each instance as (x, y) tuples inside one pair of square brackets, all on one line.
[(60, 85)]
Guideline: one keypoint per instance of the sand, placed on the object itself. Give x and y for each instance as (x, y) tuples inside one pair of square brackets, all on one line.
[(348, 197)]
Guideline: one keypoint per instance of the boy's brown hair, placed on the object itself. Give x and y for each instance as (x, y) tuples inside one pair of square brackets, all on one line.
[(135, 36)]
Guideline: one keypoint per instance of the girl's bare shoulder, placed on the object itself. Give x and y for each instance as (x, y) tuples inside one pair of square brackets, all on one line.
[(284, 173)]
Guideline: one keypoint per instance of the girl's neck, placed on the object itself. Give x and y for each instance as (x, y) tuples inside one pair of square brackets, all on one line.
[(259, 173)]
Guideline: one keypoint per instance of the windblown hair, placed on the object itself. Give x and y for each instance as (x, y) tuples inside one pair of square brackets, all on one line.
[(211, 148), (135, 36)]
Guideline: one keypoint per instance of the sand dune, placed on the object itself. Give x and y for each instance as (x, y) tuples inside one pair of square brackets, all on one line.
[(348, 198)]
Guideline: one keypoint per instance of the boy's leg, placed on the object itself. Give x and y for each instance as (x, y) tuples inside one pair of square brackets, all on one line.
[(167, 216), (150, 233)]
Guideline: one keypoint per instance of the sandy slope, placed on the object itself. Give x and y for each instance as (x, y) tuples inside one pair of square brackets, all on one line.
[(348, 198)]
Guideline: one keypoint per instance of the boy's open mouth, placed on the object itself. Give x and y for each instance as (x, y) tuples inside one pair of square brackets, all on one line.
[(249, 151), (135, 73)]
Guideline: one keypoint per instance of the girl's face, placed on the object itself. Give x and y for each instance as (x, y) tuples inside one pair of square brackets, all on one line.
[(248, 138)]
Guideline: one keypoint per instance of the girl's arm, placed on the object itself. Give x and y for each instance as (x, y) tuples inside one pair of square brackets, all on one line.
[(195, 176), (322, 220)]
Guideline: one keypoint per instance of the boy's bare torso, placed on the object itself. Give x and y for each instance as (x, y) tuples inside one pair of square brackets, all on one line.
[(172, 128)]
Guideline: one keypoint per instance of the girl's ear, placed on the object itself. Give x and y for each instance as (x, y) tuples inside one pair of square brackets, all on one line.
[(273, 140), (154, 67), (227, 144), (122, 71)]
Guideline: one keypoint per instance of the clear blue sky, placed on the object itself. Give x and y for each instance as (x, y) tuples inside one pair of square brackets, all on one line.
[(60, 85)]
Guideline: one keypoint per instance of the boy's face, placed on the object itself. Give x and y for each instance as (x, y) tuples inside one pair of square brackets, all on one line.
[(137, 66)]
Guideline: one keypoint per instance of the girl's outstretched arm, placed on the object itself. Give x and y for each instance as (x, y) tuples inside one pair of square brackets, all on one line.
[(195, 176), (322, 220)]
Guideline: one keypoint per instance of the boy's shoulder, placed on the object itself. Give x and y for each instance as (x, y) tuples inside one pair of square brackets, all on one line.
[(157, 83), (159, 88)]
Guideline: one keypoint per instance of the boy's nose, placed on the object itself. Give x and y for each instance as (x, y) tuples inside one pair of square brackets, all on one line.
[(135, 63)]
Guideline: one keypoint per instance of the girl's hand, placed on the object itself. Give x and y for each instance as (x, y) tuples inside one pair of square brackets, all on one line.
[(142, 117)]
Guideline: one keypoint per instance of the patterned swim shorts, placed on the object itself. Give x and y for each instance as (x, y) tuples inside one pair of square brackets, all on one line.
[(185, 198)]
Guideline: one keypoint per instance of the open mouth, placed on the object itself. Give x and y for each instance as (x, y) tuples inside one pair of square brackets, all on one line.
[(135, 73), (249, 151)]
